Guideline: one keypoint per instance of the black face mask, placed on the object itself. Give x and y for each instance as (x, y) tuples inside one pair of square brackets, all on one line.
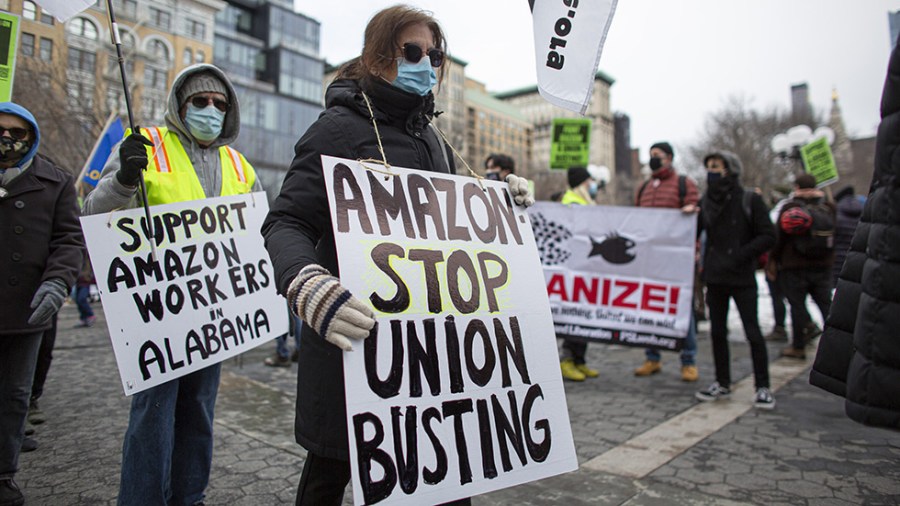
[(493, 176), (655, 163), (12, 150), (712, 177)]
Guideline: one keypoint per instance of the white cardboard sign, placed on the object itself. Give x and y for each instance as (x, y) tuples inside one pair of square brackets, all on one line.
[(457, 391), (210, 294)]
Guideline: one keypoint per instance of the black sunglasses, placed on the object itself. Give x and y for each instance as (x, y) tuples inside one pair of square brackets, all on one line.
[(202, 102), (15, 132), (413, 53)]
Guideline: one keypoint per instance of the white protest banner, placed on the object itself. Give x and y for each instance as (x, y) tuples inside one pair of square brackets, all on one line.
[(568, 40), (209, 296), (457, 391), (620, 275), (65, 9)]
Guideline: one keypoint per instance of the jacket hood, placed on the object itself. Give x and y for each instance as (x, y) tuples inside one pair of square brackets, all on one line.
[(18, 110), (734, 163), (232, 125), (389, 103)]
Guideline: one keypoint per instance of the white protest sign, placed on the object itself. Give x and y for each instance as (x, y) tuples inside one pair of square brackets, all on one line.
[(621, 275), (209, 296), (568, 41), (457, 392)]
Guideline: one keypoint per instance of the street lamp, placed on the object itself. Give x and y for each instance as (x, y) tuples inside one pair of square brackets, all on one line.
[(788, 144)]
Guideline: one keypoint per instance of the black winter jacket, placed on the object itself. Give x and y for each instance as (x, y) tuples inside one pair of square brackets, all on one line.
[(859, 353), (849, 209), (734, 240), (298, 228), (41, 239)]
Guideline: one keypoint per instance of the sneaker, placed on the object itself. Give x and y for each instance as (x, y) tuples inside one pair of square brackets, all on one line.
[(277, 360), (764, 399), (28, 445), (29, 430), (778, 334), (35, 415), (87, 322), (792, 352), (649, 367), (689, 373), (587, 371), (713, 393), (570, 371), (10, 495), (295, 356)]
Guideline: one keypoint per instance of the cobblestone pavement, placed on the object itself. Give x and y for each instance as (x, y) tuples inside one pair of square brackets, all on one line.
[(805, 452)]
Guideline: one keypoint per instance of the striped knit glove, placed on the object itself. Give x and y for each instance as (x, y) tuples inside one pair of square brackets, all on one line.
[(334, 313), (518, 186)]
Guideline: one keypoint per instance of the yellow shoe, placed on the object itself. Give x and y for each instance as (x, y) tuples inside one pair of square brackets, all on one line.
[(689, 373), (649, 367), (570, 370), (587, 371)]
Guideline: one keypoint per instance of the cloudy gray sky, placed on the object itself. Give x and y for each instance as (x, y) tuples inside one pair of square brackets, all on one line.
[(673, 61)]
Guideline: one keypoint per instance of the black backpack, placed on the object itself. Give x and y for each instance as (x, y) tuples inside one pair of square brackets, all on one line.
[(818, 241)]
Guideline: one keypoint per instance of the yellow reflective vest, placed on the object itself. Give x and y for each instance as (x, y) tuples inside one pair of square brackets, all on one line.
[(170, 175), (570, 197)]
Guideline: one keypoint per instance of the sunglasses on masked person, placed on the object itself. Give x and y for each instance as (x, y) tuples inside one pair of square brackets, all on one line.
[(413, 53), (202, 102)]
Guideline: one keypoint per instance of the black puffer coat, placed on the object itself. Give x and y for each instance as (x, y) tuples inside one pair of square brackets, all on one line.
[(849, 210), (298, 228), (859, 353)]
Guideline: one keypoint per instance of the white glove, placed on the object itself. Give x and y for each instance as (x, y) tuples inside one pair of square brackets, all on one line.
[(518, 186), (334, 313)]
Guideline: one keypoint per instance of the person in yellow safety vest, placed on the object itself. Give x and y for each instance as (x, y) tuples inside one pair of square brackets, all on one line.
[(582, 190), (167, 452)]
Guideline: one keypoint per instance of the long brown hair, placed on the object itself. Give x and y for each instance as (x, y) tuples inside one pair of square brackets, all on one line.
[(380, 43)]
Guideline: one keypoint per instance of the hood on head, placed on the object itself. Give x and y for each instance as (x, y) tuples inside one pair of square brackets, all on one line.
[(731, 160), (18, 110), (232, 125)]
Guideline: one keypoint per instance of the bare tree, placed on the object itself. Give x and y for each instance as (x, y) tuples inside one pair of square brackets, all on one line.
[(69, 125), (746, 131)]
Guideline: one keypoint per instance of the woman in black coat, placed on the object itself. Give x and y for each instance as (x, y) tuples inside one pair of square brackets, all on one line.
[(389, 85), (859, 353)]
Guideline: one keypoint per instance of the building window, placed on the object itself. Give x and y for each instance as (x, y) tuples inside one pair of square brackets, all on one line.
[(187, 57), (46, 18), (46, 49), (160, 19), (82, 28), (155, 78), (82, 60), (27, 44), (200, 57), (196, 29), (127, 38), (81, 96), (29, 10), (159, 49), (126, 7)]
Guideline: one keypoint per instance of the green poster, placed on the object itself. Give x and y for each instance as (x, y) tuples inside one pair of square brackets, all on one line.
[(9, 36), (570, 143), (819, 162)]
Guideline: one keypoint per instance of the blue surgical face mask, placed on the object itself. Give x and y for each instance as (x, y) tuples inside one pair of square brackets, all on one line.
[(416, 78), (592, 189), (712, 177), (204, 124)]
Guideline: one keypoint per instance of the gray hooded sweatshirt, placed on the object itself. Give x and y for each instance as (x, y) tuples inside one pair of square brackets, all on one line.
[(110, 194)]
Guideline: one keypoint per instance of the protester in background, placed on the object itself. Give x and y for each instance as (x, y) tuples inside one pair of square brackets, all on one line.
[(167, 451), (403, 58), (738, 231), (859, 356), (802, 257), (498, 166), (666, 188), (582, 190), (849, 209), (42, 242)]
